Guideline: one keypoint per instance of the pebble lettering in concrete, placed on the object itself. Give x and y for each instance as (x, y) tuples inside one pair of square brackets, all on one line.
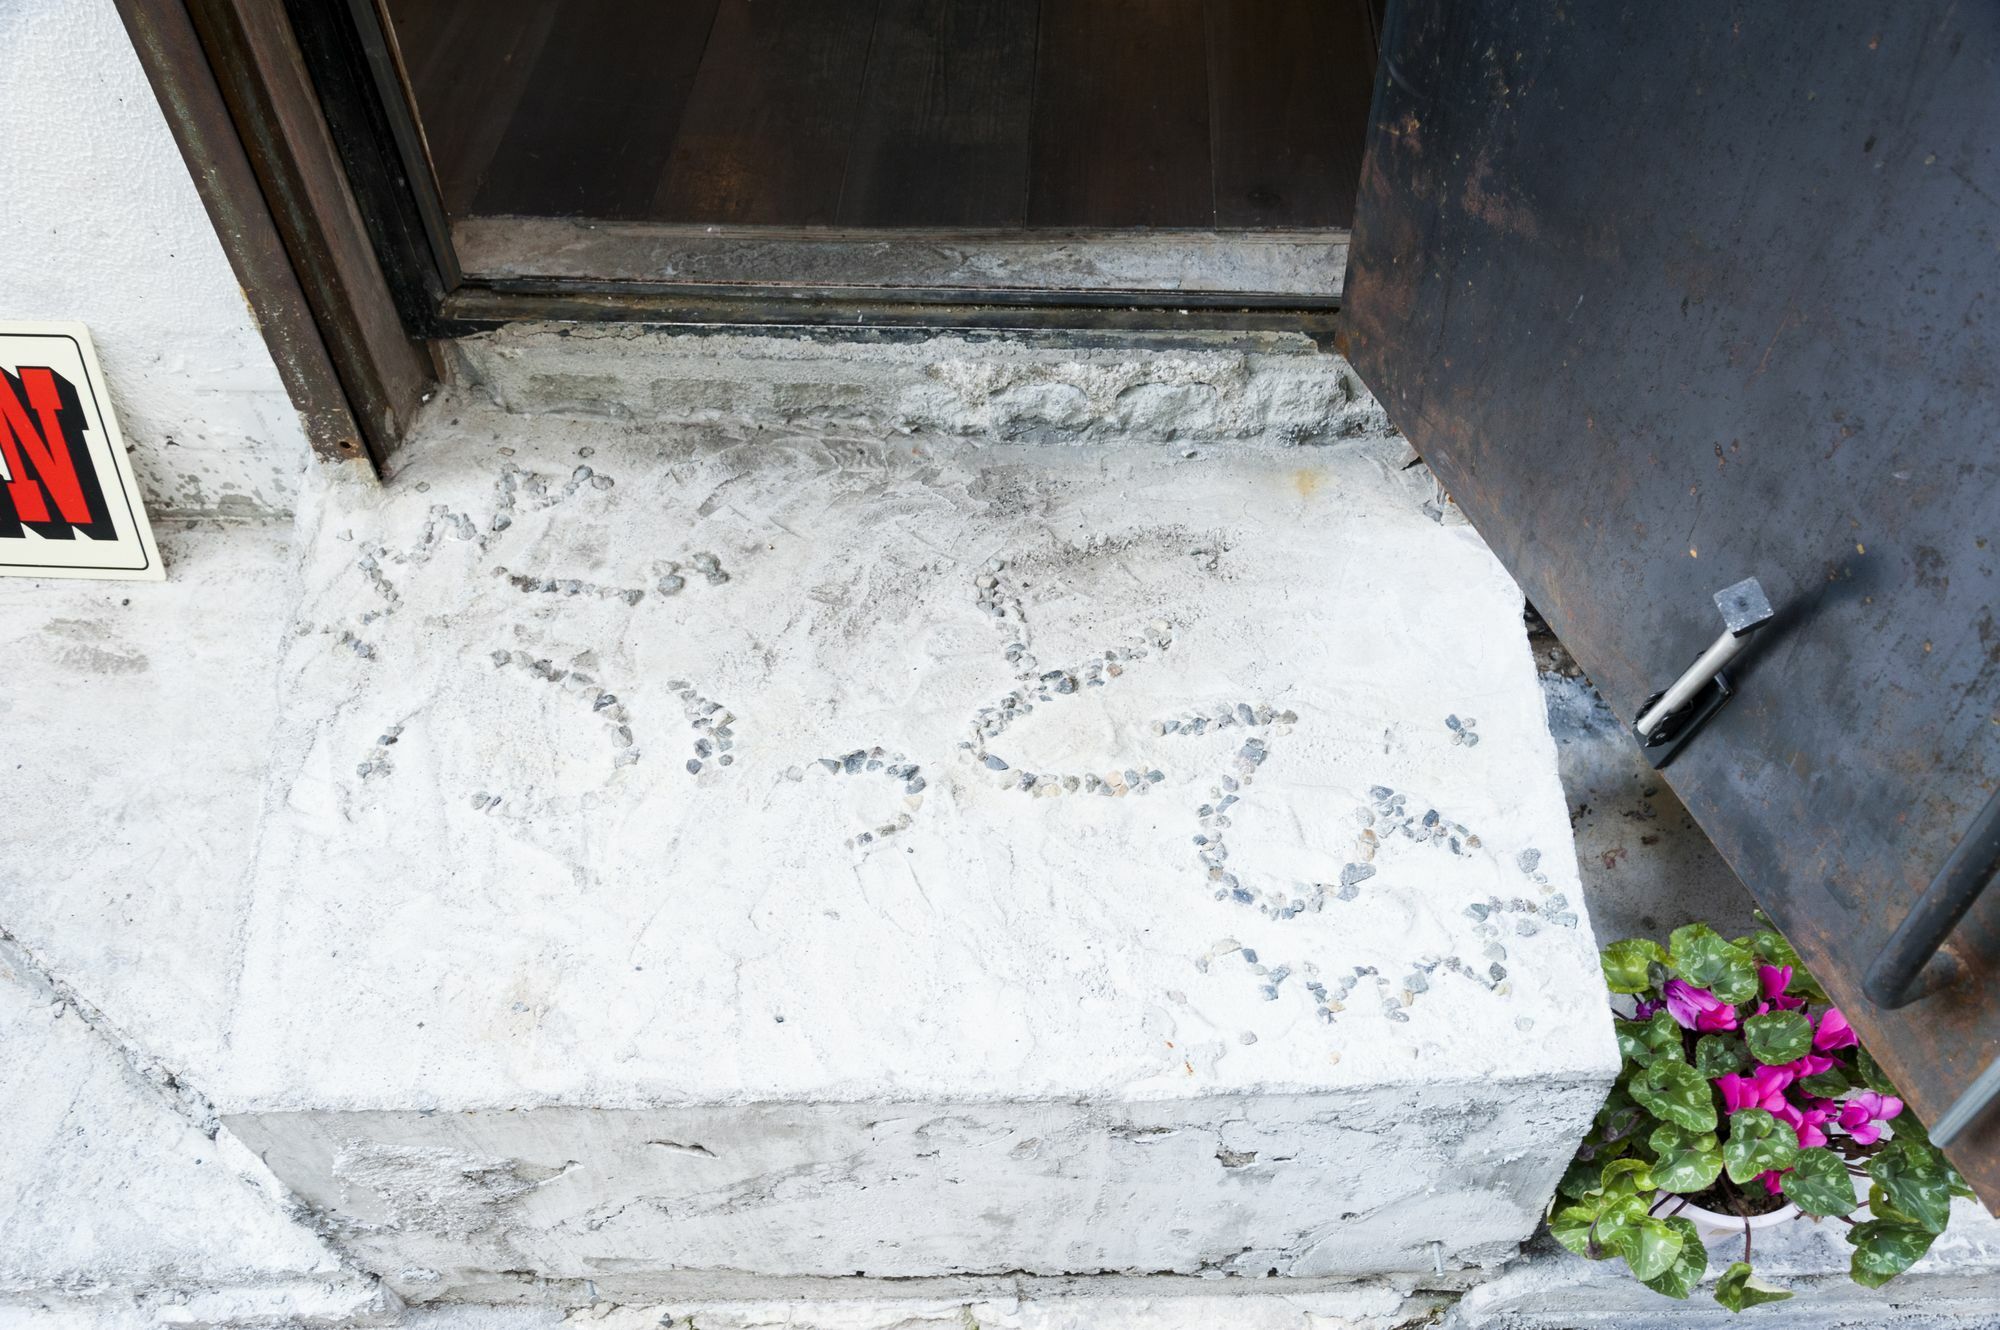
[(891, 766), (713, 726), (1389, 816), (377, 762), (578, 681), (1046, 687)]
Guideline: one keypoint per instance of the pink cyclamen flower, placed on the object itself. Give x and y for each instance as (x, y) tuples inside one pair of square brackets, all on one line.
[(1772, 980), (1647, 1008), (1763, 1088), (1698, 1009), (1834, 1032), (1773, 1180), (1808, 1121), (1812, 1064), (1862, 1115)]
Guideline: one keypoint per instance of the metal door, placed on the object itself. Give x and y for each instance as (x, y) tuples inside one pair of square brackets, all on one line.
[(1672, 296)]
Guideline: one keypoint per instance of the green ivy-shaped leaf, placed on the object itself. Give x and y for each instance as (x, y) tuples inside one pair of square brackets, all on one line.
[(1912, 1174), (1909, 1127), (1774, 948), (1675, 1092), (1955, 1180), (1883, 1249), (1883, 1207), (1580, 1178), (1820, 1184), (1684, 1162), (1829, 1084), (1719, 1054), (1678, 1280), (1757, 1144), (1620, 1118), (1771, 947), (1646, 1042), (1612, 1233), (1628, 964), (1624, 1177), (1871, 1073), (1737, 1290), (1650, 1246), (1706, 959), (1570, 1225), (1778, 1037)]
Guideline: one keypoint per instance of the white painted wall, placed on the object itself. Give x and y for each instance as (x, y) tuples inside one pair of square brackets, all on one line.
[(101, 223)]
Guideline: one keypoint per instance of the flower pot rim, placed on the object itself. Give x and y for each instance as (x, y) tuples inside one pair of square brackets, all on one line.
[(1734, 1223)]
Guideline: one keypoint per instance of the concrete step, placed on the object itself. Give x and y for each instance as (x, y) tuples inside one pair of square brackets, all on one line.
[(697, 855), (123, 1205)]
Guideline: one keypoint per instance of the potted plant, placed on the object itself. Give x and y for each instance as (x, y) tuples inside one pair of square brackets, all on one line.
[(1743, 1100)]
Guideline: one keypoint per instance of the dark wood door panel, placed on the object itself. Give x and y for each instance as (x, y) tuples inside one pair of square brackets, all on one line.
[(596, 120), (1121, 132), (1290, 82), (766, 133), (941, 138), (1670, 297)]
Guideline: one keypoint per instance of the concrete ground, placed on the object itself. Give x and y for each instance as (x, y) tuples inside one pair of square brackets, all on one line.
[(1637, 848), (1647, 868), (118, 1151)]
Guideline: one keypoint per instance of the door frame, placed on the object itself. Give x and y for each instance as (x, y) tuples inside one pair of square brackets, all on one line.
[(294, 119), (233, 87)]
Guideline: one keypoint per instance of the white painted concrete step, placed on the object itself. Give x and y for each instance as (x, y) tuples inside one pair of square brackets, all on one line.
[(788, 857), (120, 1208)]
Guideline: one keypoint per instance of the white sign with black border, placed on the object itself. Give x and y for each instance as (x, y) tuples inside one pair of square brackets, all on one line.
[(69, 505)]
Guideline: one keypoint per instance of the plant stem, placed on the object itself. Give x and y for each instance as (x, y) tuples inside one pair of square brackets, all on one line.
[(1746, 1242), (1845, 1220)]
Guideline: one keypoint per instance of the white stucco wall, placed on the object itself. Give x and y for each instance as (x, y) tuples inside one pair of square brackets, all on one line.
[(103, 225)]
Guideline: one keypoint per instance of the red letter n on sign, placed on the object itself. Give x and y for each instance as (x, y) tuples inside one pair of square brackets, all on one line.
[(47, 482)]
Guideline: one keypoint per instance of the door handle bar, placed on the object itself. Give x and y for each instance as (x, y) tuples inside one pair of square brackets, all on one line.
[(1911, 965), (1670, 717)]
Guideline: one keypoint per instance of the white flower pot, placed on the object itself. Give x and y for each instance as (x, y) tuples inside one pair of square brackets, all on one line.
[(1712, 1225)]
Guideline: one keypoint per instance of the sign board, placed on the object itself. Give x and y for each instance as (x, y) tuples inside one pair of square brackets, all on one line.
[(69, 505)]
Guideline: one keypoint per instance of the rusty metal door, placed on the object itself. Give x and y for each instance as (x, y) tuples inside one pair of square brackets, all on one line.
[(1673, 296)]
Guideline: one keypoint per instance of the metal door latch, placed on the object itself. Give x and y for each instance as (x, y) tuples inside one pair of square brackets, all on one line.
[(1670, 717)]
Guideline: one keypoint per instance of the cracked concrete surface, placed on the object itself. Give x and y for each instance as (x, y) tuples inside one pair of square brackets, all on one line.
[(488, 860), (122, 1197), (1014, 387), (542, 866)]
